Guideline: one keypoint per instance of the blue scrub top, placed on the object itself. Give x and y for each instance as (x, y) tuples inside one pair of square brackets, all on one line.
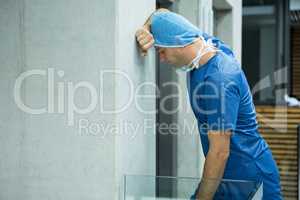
[(221, 100)]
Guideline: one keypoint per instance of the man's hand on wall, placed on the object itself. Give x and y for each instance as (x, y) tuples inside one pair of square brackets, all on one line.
[(145, 39)]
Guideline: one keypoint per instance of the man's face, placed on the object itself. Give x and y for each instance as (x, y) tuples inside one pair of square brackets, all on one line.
[(172, 56)]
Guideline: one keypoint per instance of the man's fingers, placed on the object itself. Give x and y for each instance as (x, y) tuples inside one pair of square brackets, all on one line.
[(142, 31), (139, 32), (142, 36), (144, 40), (148, 45)]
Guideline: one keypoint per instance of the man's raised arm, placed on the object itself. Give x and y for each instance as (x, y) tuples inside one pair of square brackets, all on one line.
[(143, 35)]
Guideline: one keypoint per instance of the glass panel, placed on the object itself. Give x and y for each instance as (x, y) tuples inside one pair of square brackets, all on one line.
[(138, 187)]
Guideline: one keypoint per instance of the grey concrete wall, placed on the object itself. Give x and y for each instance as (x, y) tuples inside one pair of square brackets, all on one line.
[(52, 160), (51, 155), (205, 15), (222, 26), (236, 26), (135, 148), (228, 23), (11, 119)]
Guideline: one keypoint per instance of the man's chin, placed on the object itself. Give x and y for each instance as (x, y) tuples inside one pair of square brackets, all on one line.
[(170, 63), (173, 64)]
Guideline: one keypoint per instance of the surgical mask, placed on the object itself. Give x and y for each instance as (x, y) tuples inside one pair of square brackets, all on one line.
[(207, 46)]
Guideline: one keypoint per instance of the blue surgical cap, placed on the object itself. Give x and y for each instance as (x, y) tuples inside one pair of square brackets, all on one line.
[(172, 30)]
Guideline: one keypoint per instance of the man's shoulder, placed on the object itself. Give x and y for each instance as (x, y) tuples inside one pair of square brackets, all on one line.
[(224, 75)]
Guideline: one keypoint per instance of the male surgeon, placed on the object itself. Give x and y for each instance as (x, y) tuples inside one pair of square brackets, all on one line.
[(222, 104)]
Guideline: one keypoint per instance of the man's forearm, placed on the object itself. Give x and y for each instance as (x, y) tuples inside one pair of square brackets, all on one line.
[(212, 175), (147, 24)]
